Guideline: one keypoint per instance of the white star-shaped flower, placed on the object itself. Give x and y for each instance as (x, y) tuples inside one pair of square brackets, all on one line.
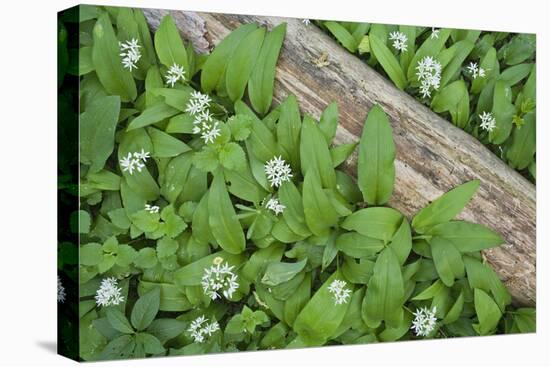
[(175, 73), (488, 122), (340, 292), (399, 41), (277, 171), (274, 205), (424, 321)]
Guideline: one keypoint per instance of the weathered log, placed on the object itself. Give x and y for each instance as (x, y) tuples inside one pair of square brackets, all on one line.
[(433, 156)]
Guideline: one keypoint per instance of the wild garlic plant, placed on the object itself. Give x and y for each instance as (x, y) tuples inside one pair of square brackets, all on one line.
[(211, 224)]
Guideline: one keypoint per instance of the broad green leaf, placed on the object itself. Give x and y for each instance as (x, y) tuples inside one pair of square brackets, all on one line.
[(401, 242), (385, 292), (199, 225), (260, 85), (147, 258), (118, 321), (329, 122), (376, 222), (262, 142), (97, 131), (341, 152), (258, 261), (321, 316), (243, 185), (108, 64), (482, 276), (120, 348), (145, 309), (319, 213), (165, 145), (466, 236), (151, 344), (213, 70), (91, 254), (503, 111), (456, 310), (288, 130), (294, 216), (242, 62), (222, 217), (232, 157), (513, 75), (166, 329), (280, 272), (447, 259), (152, 115), (172, 299), (375, 167), (169, 46), (487, 311), (356, 245), (451, 71), (342, 35), (297, 300), (523, 144), (176, 175), (282, 232), (454, 99), (314, 153), (446, 207), (388, 61)]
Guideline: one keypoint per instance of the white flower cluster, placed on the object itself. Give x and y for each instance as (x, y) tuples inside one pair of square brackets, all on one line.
[(277, 171), (306, 21), (61, 294), (399, 41), (429, 75), (339, 291), (204, 124), (133, 161), (475, 70), (109, 293), (219, 279), (200, 328), (275, 206), (129, 51), (152, 208), (435, 33), (424, 321), (488, 122), (175, 73)]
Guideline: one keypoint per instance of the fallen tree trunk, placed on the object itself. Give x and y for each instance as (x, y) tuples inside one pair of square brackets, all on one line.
[(433, 155)]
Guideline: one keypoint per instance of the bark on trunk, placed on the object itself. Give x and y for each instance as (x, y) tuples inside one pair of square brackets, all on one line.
[(433, 156)]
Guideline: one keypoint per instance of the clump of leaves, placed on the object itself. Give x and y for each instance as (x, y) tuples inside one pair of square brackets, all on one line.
[(479, 72), (240, 231)]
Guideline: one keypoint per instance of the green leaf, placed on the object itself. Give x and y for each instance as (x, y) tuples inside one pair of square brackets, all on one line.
[(145, 309), (431, 47), (454, 98), (319, 213), (206, 159), (116, 80), (166, 247), (446, 207), (280, 272), (523, 145), (176, 175), (288, 130), (388, 61), (147, 258), (447, 259), (164, 145), (232, 157), (91, 254), (240, 126), (314, 153), (242, 62), (97, 131), (293, 214), (260, 85), (487, 311), (150, 343), (243, 185), (503, 111), (120, 348), (467, 237), (451, 71), (401, 242), (356, 245), (118, 321), (375, 167), (385, 292), (341, 152), (262, 142), (376, 222), (321, 316), (84, 221), (329, 122), (166, 329), (213, 70), (298, 299), (169, 46), (152, 115), (224, 225), (342, 35)]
